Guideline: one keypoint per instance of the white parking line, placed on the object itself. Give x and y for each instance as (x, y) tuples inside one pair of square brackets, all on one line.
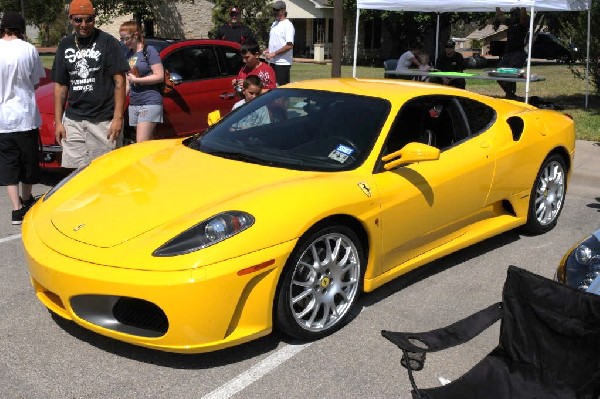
[(10, 238), (255, 372)]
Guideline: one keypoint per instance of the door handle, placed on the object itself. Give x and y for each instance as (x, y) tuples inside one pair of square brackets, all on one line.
[(227, 96)]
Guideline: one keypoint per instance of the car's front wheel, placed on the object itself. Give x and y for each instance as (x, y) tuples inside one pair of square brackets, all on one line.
[(547, 195), (320, 284)]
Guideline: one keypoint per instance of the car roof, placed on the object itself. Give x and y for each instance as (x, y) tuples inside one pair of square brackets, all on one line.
[(161, 43)]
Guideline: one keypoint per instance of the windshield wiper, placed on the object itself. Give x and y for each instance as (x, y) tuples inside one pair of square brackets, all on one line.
[(272, 160), (240, 156)]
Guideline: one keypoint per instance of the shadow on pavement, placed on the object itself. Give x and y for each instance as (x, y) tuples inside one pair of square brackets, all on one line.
[(173, 360), (595, 205), (439, 265)]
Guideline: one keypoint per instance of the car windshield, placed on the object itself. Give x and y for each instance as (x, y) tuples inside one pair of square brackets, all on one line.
[(299, 129)]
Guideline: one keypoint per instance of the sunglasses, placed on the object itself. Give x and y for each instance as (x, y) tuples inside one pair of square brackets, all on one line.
[(86, 19), (125, 38), (233, 14)]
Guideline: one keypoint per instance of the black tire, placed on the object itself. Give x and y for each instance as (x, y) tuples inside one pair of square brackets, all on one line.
[(547, 197), (315, 297)]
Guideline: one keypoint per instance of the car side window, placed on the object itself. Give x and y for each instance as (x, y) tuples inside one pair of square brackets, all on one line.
[(433, 120), (479, 116), (231, 61), (193, 63)]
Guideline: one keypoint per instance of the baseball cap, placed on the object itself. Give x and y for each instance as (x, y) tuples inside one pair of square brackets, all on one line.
[(81, 7), (13, 20), (450, 44), (279, 5)]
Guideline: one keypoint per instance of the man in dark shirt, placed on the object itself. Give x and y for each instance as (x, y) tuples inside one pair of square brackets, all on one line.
[(89, 74), (234, 30), (514, 55), (451, 61)]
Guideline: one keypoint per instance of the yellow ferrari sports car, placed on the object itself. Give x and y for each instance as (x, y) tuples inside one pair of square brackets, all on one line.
[(288, 208)]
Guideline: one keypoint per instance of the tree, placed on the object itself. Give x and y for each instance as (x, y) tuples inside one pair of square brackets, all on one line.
[(407, 27), (141, 9), (573, 26), (256, 14), (40, 13)]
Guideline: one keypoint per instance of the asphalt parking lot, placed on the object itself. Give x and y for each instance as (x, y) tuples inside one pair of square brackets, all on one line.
[(45, 357)]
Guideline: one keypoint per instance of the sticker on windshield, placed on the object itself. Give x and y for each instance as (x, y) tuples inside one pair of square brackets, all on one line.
[(341, 153)]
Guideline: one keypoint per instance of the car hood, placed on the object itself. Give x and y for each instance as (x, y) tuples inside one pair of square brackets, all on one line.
[(107, 205), (44, 96)]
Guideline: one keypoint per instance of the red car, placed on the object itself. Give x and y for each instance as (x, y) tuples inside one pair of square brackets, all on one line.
[(201, 71)]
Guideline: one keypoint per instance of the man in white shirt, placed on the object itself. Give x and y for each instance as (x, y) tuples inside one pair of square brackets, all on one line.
[(281, 43), (20, 73), (408, 60)]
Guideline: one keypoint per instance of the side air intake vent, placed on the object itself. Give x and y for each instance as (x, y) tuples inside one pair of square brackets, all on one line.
[(516, 126)]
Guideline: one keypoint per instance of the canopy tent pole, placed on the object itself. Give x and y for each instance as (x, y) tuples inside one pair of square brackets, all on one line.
[(355, 42), (437, 39), (587, 62), (529, 53)]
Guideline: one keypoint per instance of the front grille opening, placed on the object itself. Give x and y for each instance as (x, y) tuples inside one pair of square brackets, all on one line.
[(140, 314), (55, 299), (50, 300), (123, 314)]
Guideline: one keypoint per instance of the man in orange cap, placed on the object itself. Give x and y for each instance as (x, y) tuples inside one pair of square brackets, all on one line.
[(89, 72), (235, 30)]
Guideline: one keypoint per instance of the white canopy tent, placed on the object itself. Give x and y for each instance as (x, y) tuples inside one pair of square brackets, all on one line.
[(439, 6)]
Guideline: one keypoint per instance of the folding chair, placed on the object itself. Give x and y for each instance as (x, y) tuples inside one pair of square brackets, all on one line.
[(549, 345)]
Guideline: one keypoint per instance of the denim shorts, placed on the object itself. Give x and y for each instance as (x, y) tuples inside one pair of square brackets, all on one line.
[(145, 113)]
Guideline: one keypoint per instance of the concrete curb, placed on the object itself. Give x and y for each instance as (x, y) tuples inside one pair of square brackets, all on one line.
[(585, 181)]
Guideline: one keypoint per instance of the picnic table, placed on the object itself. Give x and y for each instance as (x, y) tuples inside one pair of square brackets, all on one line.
[(465, 75)]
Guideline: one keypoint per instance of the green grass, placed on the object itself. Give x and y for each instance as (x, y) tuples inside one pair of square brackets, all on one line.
[(560, 87), (47, 60)]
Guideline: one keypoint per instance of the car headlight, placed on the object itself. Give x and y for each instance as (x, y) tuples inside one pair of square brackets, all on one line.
[(63, 182), (209, 232), (582, 265)]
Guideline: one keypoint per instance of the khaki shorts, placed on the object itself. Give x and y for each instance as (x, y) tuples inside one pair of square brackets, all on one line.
[(86, 141)]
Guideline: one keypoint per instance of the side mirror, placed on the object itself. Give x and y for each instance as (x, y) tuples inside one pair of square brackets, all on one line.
[(410, 153), (175, 78), (213, 117)]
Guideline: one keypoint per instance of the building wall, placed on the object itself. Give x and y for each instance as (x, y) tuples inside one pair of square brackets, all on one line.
[(175, 20)]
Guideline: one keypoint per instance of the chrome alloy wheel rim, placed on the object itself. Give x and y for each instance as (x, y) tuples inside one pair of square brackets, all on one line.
[(550, 193), (325, 282)]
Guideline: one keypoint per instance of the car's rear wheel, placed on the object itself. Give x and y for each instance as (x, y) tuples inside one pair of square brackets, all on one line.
[(547, 195), (320, 284)]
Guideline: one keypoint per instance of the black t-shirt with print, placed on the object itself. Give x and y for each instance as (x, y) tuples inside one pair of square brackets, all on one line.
[(87, 67), (515, 36), (454, 63)]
